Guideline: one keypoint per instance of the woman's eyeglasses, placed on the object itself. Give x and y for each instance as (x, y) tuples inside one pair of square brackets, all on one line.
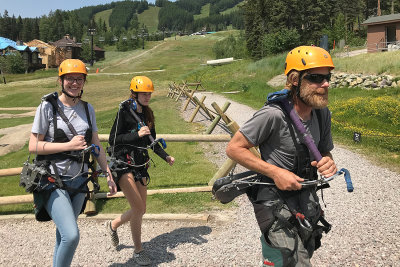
[(72, 80), (317, 78)]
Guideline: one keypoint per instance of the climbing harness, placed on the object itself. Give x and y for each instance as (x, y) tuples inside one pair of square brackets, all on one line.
[(37, 178), (270, 203), (227, 188), (128, 164)]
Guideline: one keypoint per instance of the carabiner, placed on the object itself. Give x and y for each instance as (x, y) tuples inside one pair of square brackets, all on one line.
[(303, 222)]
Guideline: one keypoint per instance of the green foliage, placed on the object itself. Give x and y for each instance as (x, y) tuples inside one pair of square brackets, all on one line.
[(231, 47), (173, 17), (219, 6), (149, 17), (278, 42), (126, 44), (122, 14), (12, 63), (309, 18)]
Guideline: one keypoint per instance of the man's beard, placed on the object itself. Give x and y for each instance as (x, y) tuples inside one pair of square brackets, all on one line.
[(313, 99)]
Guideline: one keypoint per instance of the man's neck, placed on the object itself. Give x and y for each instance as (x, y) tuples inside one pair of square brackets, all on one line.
[(302, 109)]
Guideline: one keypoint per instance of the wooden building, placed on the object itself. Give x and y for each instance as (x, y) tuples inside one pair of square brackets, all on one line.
[(47, 52), (383, 33), (67, 48), (30, 54)]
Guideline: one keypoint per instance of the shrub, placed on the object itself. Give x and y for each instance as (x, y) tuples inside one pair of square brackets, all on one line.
[(12, 63), (278, 42), (231, 47)]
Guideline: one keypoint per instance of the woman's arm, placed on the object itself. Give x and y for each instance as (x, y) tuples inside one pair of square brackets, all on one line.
[(37, 145), (102, 160)]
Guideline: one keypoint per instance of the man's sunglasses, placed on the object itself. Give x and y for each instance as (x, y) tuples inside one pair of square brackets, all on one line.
[(317, 78)]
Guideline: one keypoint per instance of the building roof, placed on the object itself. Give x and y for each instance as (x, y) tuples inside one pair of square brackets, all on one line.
[(65, 42), (96, 48), (6, 43), (382, 19), (39, 44)]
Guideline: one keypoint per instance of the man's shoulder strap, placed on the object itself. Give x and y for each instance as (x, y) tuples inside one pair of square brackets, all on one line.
[(318, 112)]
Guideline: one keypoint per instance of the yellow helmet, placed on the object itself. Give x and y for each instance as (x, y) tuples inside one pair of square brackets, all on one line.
[(141, 84), (307, 57), (72, 66)]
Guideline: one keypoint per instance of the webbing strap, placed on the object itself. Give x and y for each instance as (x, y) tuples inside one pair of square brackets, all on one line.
[(53, 102)]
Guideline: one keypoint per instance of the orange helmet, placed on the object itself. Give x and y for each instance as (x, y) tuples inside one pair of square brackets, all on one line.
[(307, 57), (72, 66), (141, 84)]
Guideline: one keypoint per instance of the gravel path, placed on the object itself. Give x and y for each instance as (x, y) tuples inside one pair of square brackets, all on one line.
[(365, 225)]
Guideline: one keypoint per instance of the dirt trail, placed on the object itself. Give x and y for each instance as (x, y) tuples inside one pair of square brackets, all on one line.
[(131, 58), (14, 138)]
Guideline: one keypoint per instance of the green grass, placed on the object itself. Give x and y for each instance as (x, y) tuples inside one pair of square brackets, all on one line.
[(370, 63), (205, 12), (12, 112), (149, 18), (39, 74), (229, 10), (11, 122)]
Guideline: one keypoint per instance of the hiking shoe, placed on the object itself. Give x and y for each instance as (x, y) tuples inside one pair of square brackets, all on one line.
[(113, 234), (142, 258)]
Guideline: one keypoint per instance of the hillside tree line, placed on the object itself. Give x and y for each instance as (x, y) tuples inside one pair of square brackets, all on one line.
[(274, 26)]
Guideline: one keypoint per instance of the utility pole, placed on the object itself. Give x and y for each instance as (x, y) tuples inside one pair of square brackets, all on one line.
[(91, 32), (379, 8), (143, 38)]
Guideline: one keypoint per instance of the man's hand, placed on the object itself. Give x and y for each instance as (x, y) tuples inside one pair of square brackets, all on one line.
[(326, 166), (286, 180)]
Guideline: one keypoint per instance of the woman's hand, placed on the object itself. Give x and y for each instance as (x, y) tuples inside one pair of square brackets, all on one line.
[(170, 160), (77, 143), (144, 131), (112, 187)]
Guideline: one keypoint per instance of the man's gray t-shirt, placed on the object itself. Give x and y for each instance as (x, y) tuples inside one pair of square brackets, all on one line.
[(43, 124), (269, 129)]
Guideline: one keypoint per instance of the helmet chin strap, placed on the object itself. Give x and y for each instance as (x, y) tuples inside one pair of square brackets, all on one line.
[(70, 96), (298, 87), (137, 98)]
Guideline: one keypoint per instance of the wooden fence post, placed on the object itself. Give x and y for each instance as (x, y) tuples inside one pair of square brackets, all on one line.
[(228, 164), (217, 118), (204, 108), (197, 107), (224, 170), (189, 98), (90, 208)]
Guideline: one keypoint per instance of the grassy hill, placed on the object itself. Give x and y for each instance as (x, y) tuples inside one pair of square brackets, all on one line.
[(104, 16), (150, 18), (205, 12), (229, 10)]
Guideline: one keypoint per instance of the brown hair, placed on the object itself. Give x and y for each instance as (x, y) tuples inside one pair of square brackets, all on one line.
[(292, 77), (148, 113)]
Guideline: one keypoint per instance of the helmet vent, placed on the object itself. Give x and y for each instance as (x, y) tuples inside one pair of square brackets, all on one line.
[(303, 61)]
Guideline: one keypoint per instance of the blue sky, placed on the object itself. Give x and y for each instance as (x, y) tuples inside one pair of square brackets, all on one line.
[(38, 8)]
